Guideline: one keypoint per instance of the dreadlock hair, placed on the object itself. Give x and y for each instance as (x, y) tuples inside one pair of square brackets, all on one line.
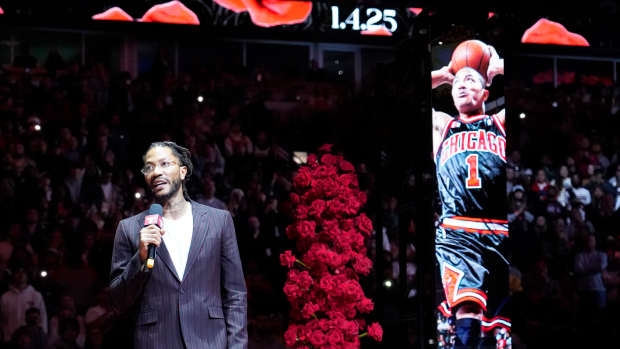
[(184, 156)]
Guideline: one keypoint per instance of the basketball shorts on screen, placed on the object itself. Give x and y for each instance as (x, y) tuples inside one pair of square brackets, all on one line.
[(472, 265)]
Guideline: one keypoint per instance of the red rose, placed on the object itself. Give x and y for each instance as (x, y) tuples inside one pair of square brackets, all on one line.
[(357, 240), (301, 211), (362, 197), (295, 199), (365, 305), (317, 208), (375, 331), (335, 315), (291, 232), (350, 329), (318, 338), (329, 235), (325, 171), (287, 259), (349, 311), (335, 336), (347, 224), (306, 229), (328, 283), (353, 344), (348, 180), (322, 254), (330, 224), (329, 159), (302, 278), (329, 188), (302, 179), (336, 207), (352, 205), (308, 310), (351, 290), (292, 291), (309, 196), (311, 160), (351, 274), (290, 336), (302, 333), (362, 264), (326, 148), (364, 224), (346, 166), (324, 324)]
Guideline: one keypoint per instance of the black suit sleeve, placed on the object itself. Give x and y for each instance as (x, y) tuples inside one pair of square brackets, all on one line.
[(127, 277), (234, 293)]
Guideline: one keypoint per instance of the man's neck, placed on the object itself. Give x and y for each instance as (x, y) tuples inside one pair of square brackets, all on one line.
[(469, 114), (20, 288), (176, 206)]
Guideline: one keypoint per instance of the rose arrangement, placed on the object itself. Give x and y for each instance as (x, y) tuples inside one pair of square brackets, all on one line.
[(322, 285)]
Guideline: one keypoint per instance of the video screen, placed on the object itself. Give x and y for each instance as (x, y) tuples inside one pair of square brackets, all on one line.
[(469, 151)]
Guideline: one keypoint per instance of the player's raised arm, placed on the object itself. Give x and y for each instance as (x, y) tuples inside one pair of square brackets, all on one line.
[(496, 65), (440, 122), (441, 76)]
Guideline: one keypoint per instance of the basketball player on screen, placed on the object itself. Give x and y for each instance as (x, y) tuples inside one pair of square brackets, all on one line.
[(470, 157)]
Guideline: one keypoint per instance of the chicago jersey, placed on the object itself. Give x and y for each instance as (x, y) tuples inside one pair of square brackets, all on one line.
[(470, 164)]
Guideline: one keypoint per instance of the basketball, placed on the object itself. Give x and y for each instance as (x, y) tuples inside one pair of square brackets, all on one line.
[(471, 53)]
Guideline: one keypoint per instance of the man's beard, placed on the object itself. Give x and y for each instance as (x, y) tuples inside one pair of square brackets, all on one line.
[(175, 185)]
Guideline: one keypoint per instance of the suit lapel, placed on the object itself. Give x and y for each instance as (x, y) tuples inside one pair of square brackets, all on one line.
[(164, 256), (162, 252), (200, 229)]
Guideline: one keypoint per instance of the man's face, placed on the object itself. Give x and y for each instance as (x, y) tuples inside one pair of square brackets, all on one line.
[(33, 318), (166, 177), (591, 243), (468, 91)]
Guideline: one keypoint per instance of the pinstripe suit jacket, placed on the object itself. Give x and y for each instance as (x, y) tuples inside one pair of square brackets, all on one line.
[(207, 309)]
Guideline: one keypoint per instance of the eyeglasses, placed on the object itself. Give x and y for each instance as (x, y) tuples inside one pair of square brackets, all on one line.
[(164, 165)]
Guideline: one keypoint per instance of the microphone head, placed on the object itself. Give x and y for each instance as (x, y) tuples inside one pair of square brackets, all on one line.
[(156, 209), (154, 216)]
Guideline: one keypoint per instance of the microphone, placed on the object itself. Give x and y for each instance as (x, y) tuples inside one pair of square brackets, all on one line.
[(153, 218)]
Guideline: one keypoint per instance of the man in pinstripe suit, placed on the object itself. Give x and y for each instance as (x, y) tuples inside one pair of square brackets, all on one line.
[(195, 295)]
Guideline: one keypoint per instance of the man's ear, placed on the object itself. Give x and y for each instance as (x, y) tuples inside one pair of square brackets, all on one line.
[(485, 95), (183, 172)]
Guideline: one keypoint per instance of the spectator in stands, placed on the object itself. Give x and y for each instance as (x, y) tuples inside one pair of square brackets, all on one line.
[(236, 143), (214, 160), (236, 203), (66, 312), (32, 328), (589, 267), (541, 184), (208, 195), (100, 315), (519, 206), (73, 182), (69, 330), (20, 297)]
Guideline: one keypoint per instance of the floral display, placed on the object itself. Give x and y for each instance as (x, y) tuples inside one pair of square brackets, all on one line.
[(327, 301)]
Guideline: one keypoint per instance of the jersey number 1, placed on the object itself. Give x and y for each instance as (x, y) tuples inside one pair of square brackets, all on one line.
[(473, 179)]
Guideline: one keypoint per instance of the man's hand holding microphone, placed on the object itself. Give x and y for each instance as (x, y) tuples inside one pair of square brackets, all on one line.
[(151, 235)]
